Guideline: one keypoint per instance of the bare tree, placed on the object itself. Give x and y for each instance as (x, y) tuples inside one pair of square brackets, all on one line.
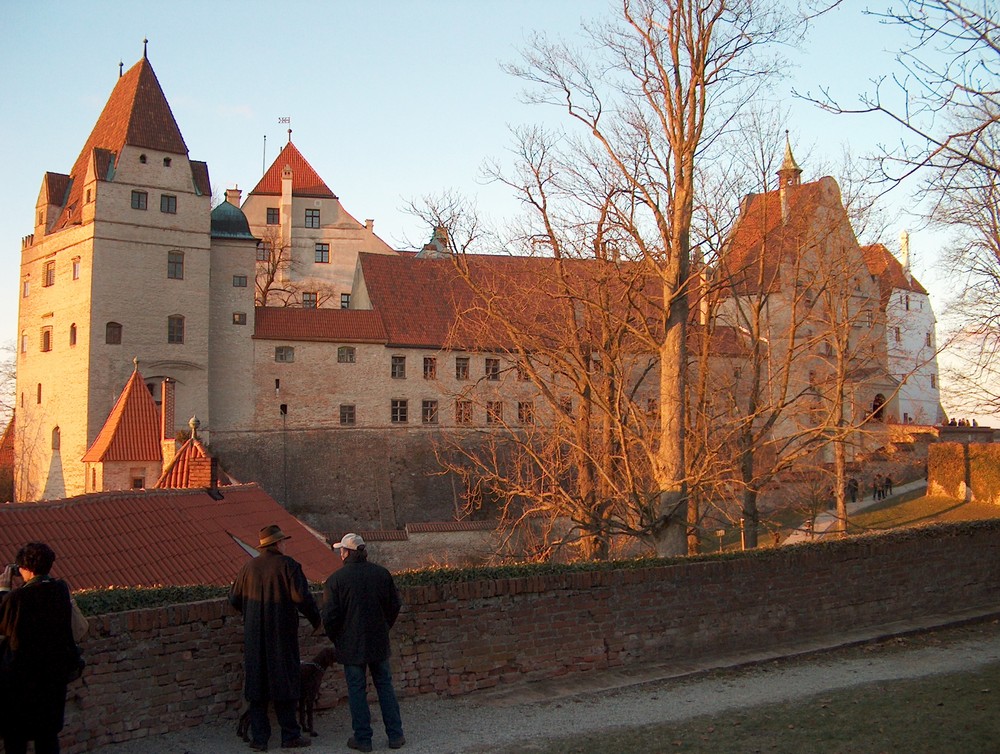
[(276, 283), (651, 93)]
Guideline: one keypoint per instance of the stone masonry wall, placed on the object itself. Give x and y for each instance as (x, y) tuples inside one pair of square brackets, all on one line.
[(156, 670)]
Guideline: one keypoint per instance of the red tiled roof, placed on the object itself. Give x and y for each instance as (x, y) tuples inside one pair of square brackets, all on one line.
[(55, 187), (884, 265), (761, 240), (132, 430), (136, 114), (305, 180), (157, 537), (191, 467), (330, 325)]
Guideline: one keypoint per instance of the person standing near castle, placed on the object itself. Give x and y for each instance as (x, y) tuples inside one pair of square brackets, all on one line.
[(360, 605), (271, 591)]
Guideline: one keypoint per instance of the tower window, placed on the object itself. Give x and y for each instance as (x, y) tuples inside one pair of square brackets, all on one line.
[(113, 334), (46, 340), (239, 281), (175, 329), (72, 334), (175, 265), (49, 278), (139, 199), (239, 318), (322, 253), (273, 216), (168, 204)]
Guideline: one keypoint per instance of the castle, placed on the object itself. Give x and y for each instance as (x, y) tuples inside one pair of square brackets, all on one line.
[(319, 361)]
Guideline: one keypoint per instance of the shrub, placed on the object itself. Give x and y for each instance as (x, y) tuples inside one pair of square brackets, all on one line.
[(946, 469)]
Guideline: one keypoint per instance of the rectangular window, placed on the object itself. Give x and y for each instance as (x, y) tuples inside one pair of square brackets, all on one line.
[(322, 253), (896, 333), (168, 204), (139, 199), (463, 412), (312, 218), (25, 288), (76, 268), (309, 299), (46, 339), (494, 412), (239, 281), (461, 367), (429, 412), (24, 342), (284, 354), (397, 411), (430, 368), (398, 369), (113, 334), (927, 339), (264, 251), (175, 329), (492, 369), (525, 412), (934, 381), (522, 372), (347, 413), (345, 300), (869, 317), (273, 216), (49, 278), (175, 265), (239, 318), (345, 355)]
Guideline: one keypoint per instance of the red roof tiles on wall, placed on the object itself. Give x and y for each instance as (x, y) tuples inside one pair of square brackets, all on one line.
[(151, 538), (329, 325)]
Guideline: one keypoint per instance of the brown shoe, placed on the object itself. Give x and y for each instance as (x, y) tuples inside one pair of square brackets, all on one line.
[(296, 743), (397, 743), (353, 743)]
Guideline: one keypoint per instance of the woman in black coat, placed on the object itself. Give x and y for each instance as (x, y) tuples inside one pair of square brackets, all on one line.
[(36, 623)]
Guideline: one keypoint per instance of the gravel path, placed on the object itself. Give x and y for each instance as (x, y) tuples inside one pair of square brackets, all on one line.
[(483, 722)]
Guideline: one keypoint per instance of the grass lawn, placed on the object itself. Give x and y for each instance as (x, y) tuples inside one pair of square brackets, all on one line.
[(922, 510)]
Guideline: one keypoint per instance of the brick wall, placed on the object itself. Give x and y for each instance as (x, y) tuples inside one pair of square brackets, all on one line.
[(164, 669)]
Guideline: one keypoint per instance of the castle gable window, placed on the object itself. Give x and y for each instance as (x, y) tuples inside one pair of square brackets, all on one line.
[(312, 218), (273, 216), (322, 253)]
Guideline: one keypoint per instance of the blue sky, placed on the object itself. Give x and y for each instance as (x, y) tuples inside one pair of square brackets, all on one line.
[(389, 100)]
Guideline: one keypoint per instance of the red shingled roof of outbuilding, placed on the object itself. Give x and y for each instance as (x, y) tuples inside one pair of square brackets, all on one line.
[(132, 430), (158, 537), (305, 180)]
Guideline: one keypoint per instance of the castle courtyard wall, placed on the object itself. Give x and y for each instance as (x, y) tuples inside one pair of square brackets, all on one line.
[(158, 670)]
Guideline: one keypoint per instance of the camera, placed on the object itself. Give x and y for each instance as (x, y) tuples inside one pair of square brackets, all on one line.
[(14, 569)]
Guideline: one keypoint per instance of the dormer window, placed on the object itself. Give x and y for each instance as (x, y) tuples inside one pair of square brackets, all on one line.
[(142, 159), (166, 162)]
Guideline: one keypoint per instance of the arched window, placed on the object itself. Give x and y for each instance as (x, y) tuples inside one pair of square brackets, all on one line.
[(55, 438), (175, 329), (113, 334), (878, 407)]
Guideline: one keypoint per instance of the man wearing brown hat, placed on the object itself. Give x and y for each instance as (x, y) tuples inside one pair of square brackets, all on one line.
[(271, 591), (360, 605)]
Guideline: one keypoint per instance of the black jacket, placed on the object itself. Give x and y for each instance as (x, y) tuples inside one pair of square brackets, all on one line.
[(360, 605), (271, 591), (35, 620)]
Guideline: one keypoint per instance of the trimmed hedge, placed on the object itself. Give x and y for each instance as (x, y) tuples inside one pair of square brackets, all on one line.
[(984, 472), (946, 468)]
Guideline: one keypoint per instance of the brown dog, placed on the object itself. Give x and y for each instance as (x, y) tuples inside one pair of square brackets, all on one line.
[(310, 680)]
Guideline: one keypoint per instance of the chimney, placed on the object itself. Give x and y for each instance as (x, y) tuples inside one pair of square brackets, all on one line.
[(168, 431), (904, 252), (233, 196), (370, 225)]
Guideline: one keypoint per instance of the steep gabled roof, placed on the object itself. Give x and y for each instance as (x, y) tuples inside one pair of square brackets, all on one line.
[(158, 537), (305, 180), (132, 430), (323, 325), (763, 238), (191, 468), (136, 114), (889, 271)]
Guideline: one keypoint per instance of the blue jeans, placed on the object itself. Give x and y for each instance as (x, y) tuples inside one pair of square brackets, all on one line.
[(357, 696)]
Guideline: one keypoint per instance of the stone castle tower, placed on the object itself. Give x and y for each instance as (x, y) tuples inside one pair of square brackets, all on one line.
[(127, 260)]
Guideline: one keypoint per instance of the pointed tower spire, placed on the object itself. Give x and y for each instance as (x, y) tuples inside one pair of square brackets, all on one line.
[(145, 48), (789, 174)]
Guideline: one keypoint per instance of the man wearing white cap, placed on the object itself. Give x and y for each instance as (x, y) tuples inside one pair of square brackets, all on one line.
[(360, 606)]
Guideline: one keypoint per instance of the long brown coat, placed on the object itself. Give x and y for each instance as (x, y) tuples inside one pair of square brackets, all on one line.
[(271, 591), (35, 620)]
